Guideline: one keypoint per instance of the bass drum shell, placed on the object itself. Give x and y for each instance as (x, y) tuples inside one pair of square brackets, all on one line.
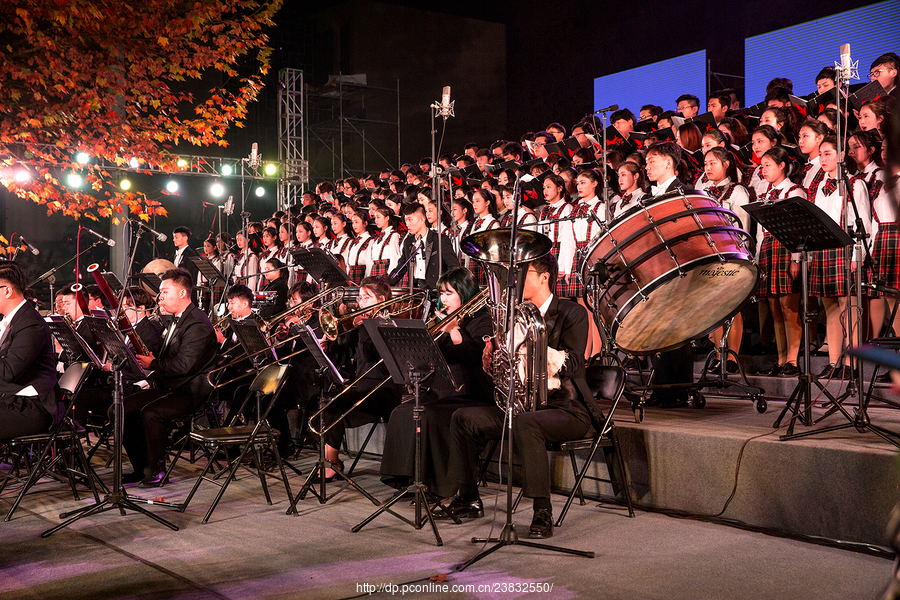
[(678, 267)]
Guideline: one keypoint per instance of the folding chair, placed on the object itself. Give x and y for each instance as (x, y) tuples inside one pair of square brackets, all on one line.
[(63, 438), (269, 382)]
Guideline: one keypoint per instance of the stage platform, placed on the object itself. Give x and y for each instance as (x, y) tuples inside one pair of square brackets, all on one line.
[(838, 485)]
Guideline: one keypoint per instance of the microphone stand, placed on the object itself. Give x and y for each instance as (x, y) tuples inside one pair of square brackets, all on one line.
[(508, 536), (438, 109)]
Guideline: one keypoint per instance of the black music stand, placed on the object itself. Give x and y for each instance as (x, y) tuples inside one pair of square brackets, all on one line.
[(320, 265), (253, 342), (77, 350), (412, 357), (801, 226), (117, 350), (151, 280), (211, 273)]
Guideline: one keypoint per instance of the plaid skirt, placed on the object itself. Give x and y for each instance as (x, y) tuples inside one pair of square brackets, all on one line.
[(774, 266), (357, 272), (572, 288), (478, 272), (380, 267), (885, 254), (826, 273)]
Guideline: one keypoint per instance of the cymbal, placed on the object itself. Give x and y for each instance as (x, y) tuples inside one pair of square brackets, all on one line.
[(493, 246)]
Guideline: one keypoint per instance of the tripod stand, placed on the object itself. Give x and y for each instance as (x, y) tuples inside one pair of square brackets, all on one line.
[(118, 498)]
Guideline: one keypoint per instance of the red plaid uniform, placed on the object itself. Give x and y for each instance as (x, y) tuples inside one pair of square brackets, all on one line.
[(358, 272), (774, 259), (381, 265), (827, 278)]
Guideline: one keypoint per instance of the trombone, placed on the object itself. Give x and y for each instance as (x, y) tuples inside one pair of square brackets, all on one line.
[(304, 310), (333, 326), (435, 328)]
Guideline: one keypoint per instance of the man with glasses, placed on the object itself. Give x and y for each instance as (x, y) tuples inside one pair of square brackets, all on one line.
[(569, 413), (884, 71), (688, 105), (541, 139)]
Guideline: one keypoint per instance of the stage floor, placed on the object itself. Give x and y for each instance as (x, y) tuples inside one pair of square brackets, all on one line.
[(683, 459)]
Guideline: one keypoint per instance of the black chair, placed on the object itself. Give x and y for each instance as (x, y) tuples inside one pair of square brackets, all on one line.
[(607, 383), (269, 382), (62, 440)]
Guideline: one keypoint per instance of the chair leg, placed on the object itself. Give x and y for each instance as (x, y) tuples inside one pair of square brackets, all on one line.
[(362, 448), (623, 484), (33, 475), (203, 473), (257, 451), (575, 473)]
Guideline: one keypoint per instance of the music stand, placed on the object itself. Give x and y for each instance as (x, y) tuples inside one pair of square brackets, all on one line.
[(151, 280), (321, 265), (412, 357), (210, 273), (253, 341), (801, 226), (77, 350), (114, 343)]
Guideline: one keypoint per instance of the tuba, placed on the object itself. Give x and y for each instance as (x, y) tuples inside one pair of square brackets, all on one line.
[(529, 332)]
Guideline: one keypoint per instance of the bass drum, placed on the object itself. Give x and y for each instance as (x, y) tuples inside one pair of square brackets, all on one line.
[(679, 266)]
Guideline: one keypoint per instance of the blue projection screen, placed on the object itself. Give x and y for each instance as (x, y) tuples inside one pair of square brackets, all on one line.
[(658, 83), (800, 52)]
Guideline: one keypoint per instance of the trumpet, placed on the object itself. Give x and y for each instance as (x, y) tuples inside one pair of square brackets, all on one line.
[(435, 328), (333, 326)]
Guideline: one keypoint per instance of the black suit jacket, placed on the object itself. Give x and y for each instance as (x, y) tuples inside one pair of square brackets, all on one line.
[(567, 330), (187, 264), (183, 363), (448, 257), (27, 358)]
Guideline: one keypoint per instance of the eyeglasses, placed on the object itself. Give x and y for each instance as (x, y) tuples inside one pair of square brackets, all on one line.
[(877, 72)]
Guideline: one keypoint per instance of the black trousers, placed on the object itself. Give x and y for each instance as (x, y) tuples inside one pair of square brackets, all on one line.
[(378, 406), (22, 416), (148, 417), (472, 427)]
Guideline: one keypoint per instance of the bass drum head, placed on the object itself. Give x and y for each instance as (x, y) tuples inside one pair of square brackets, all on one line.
[(681, 309)]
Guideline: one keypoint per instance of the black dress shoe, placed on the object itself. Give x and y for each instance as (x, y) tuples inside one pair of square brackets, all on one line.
[(541, 525), (715, 366), (884, 378), (775, 371), (133, 477), (789, 370), (828, 372), (464, 509), (731, 367), (151, 481)]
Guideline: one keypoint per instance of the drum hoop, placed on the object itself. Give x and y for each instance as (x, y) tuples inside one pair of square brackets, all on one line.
[(665, 278), (647, 201), (666, 244), (650, 226)]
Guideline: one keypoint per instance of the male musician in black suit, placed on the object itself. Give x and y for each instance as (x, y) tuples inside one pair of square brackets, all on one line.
[(674, 366), (188, 353), (422, 240), (28, 390), (569, 413), (181, 236)]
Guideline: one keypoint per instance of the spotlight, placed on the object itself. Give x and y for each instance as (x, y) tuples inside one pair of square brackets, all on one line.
[(227, 170), (271, 169), (22, 175), (182, 163), (74, 180), (217, 190), (125, 184), (83, 158), (260, 191), (172, 187), (134, 163)]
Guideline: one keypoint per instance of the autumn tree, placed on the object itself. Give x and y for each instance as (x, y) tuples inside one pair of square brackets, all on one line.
[(121, 81)]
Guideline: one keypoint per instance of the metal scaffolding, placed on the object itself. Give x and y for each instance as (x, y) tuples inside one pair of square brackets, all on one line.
[(291, 139)]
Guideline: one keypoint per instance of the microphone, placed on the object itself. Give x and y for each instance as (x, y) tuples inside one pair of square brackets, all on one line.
[(160, 236), (846, 65), (108, 241), (607, 109), (254, 155), (34, 250), (446, 109), (229, 205)]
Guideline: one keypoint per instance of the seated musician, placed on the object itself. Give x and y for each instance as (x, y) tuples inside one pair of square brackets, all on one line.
[(567, 416), (461, 340), (28, 390), (373, 290), (96, 399), (239, 300), (275, 275), (424, 242), (178, 375)]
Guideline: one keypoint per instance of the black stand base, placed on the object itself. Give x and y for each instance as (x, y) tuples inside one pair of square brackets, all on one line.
[(720, 380), (111, 501), (422, 498), (509, 537)]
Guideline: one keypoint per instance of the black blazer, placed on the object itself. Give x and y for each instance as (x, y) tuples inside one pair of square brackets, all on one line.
[(27, 358), (183, 363), (448, 257), (188, 265)]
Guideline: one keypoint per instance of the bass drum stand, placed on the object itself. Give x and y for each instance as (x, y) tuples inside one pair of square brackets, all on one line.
[(720, 380)]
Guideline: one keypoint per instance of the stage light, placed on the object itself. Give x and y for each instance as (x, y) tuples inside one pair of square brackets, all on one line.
[(134, 163), (74, 180), (83, 158), (271, 169), (125, 184), (182, 163), (22, 175), (260, 191), (227, 170), (172, 187), (217, 190)]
